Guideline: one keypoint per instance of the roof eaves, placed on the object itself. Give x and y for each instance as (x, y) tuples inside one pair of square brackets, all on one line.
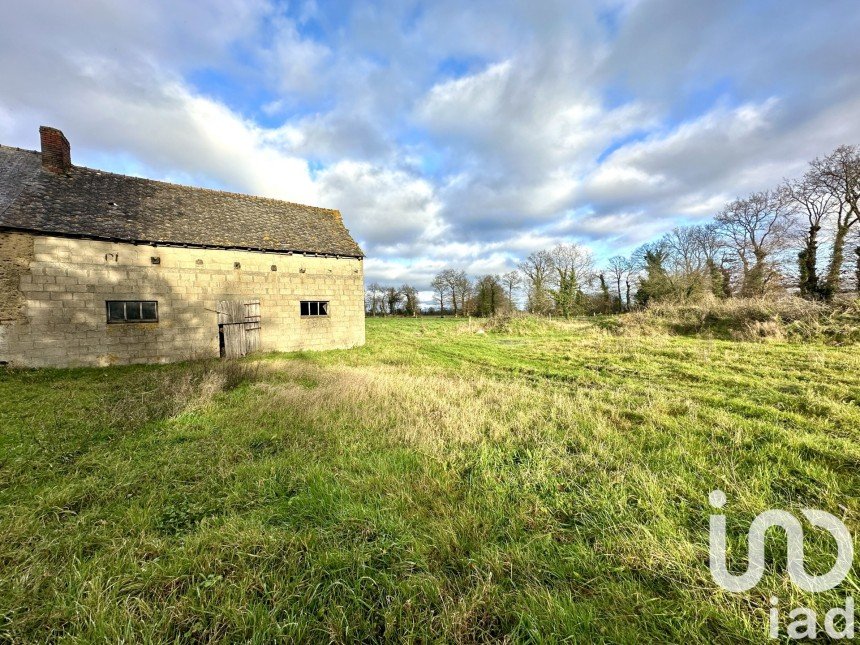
[(190, 245)]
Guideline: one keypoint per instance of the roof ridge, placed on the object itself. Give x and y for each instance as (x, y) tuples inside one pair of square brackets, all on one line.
[(186, 186), (35, 152)]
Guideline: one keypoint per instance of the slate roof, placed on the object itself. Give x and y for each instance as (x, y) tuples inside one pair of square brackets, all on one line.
[(103, 205)]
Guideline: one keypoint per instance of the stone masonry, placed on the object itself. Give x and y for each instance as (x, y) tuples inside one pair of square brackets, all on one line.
[(53, 292)]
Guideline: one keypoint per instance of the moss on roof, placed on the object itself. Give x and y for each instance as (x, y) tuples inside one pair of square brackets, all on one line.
[(93, 203)]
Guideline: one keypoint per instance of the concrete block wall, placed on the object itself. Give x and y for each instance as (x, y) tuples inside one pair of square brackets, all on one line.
[(59, 288)]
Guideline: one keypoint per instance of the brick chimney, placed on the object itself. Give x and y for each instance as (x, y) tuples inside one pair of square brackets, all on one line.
[(56, 152)]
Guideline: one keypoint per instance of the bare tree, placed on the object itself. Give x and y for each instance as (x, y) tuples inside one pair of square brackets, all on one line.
[(693, 260), (684, 250), (619, 269), (449, 276), (573, 268), (758, 229), (373, 299), (818, 203), (462, 289), (685, 261), (712, 249), (440, 288), (511, 281), (839, 174), (710, 244), (631, 279), (537, 269)]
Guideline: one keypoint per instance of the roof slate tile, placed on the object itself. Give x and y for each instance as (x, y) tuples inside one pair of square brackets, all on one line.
[(93, 203)]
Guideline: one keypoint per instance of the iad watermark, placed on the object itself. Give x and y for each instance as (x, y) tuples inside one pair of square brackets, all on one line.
[(805, 620)]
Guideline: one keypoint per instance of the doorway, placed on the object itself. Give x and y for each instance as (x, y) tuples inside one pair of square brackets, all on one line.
[(238, 327)]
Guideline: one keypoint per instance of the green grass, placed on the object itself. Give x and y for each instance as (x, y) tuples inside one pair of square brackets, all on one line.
[(544, 483)]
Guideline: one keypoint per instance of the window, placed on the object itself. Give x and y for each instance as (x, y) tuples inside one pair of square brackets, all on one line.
[(132, 311), (313, 308)]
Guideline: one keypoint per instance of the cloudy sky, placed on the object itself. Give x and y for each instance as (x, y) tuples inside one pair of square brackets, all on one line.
[(447, 133)]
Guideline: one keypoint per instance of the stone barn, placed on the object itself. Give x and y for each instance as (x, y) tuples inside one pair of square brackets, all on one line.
[(101, 269)]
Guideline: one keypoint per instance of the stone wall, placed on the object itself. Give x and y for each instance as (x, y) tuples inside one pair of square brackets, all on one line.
[(63, 285), (16, 254)]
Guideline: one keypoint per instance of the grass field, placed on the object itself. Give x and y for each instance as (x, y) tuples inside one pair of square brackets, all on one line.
[(545, 482)]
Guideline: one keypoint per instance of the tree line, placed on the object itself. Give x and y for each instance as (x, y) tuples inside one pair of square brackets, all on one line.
[(800, 237)]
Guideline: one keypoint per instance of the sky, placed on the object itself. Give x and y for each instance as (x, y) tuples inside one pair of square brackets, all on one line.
[(449, 134)]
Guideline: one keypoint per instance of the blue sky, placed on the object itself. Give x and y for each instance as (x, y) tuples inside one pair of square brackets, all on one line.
[(448, 133)]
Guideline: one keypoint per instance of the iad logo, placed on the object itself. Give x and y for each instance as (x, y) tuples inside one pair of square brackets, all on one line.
[(807, 627), (794, 531)]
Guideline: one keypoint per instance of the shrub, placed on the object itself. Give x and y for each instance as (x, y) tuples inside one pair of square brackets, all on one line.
[(752, 319)]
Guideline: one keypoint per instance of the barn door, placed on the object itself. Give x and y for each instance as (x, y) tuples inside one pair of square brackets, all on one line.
[(238, 327), (252, 326)]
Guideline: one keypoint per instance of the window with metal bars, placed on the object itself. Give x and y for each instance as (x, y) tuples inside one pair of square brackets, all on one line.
[(313, 308)]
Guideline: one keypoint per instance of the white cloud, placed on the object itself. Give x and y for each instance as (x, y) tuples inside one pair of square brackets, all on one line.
[(466, 135), (386, 205)]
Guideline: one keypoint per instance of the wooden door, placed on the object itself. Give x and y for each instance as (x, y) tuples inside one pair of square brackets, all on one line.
[(252, 326), (238, 327)]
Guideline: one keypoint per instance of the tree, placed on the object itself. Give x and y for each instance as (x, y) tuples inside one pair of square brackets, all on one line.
[(839, 175), (630, 279), (373, 299), (490, 296), (444, 283), (573, 266), (605, 297), (720, 279), (712, 249), (410, 296), (655, 285), (461, 288), (392, 299), (814, 200), (511, 281), (686, 260), (857, 271), (537, 268), (619, 269), (758, 229), (440, 288), (683, 247), (451, 280)]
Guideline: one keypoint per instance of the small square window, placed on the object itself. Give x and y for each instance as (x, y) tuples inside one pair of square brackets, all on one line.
[(313, 308)]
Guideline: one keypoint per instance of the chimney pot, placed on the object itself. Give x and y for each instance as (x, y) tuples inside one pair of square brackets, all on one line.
[(56, 152)]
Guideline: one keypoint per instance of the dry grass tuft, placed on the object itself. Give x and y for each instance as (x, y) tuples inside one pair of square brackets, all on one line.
[(431, 412), (172, 391), (747, 319)]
